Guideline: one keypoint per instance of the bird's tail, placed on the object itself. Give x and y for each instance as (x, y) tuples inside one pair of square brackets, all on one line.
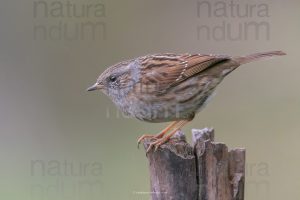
[(258, 56)]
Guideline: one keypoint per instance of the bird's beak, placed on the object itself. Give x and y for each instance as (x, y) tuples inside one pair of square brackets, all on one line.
[(96, 86)]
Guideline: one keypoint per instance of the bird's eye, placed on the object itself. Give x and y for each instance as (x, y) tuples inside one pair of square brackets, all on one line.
[(112, 78)]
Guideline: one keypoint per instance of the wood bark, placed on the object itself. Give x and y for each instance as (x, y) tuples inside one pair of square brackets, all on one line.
[(206, 170)]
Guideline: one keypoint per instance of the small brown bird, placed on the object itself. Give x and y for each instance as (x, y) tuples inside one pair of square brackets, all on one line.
[(168, 87)]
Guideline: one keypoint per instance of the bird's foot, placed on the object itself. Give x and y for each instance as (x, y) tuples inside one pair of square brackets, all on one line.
[(151, 137), (156, 144), (158, 136)]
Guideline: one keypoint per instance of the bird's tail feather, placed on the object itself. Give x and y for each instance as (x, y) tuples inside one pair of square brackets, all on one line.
[(258, 56)]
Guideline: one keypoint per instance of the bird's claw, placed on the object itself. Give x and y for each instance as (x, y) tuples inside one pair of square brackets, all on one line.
[(156, 144), (151, 137), (142, 138)]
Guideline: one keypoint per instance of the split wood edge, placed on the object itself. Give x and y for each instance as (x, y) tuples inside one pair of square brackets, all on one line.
[(205, 171)]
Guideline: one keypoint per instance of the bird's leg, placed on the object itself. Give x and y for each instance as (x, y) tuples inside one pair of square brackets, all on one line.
[(161, 141), (159, 135)]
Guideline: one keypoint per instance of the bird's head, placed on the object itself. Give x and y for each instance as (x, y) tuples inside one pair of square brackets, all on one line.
[(118, 79)]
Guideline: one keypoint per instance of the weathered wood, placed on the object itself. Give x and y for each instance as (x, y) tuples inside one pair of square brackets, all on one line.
[(206, 171), (237, 166), (173, 170)]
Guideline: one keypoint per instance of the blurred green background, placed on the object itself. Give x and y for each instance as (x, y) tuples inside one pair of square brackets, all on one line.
[(59, 142)]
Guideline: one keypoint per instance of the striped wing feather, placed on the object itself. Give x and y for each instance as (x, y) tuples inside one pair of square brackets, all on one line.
[(168, 70)]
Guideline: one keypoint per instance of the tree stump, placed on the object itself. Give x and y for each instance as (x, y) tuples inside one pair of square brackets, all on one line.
[(204, 171)]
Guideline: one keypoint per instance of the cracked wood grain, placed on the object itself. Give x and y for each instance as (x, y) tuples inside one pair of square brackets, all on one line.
[(206, 170)]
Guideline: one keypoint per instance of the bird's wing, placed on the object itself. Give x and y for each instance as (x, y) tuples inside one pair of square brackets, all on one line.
[(168, 70)]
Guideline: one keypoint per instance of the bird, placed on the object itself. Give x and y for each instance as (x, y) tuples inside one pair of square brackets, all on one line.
[(168, 87)]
